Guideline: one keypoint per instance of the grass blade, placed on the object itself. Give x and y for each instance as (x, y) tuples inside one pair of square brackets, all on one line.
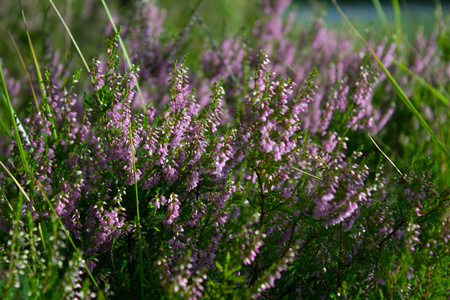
[(13, 244), (141, 265), (381, 14), (33, 54), (216, 48), (71, 36), (398, 22), (397, 88), (36, 67), (125, 52), (422, 81), (19, 124), (387, 157), (24, 66), (8, 204), (306, 173), (5, 127), (15, 181), (5, 96)]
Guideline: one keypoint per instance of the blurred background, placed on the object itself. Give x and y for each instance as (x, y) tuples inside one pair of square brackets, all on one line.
[(89, 24)]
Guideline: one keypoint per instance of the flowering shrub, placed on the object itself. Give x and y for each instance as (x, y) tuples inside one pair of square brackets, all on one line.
[(248, 178)]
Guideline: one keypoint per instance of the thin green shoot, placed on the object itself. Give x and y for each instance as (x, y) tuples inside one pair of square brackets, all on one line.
[(387, 157), (125, 52), (33, 243), (5, 96), (23, 154), (390, 150), (440, 133), (15, 181), (381, 14), (423, 82), (8, 204), (398, 89), (23, 65), (215, 48), (5, 127), (71, 36), (138, 225), (67, 37), (36, 67), (19, 124), (14, 244), (306, 173), (398, 23)]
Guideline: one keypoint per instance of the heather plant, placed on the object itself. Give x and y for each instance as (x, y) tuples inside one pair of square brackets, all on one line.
[(251, 176), (334, 55)]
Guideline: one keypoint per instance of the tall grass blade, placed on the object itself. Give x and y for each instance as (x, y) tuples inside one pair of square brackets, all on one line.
[(24, 66), (20, 127), (8, 204), (36, 67), (15, 181), (306, 173), (422, 81), (381, 14), (68, 39), (127, 58), (125, 52), (5, 96), (5, 127), (398, 22), (70, 35), (141, 265), (35, 62), (13, 245), (387, 157), (398, 89), (216, 48)]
